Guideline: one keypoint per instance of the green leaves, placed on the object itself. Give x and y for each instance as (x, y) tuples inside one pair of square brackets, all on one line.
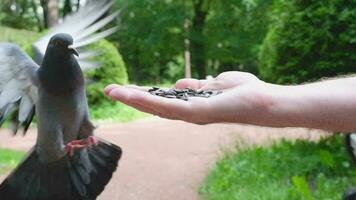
[(308, 40), (152, 36), (112, 70)]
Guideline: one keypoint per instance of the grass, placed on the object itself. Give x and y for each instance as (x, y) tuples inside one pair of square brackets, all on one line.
[(117, 112), (20, 37), (286, 170), (9, 159)]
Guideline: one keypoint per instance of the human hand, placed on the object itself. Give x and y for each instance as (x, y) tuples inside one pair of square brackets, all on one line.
[(241, 99)]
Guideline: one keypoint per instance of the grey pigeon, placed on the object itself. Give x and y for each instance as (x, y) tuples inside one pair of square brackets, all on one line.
[(68, 162)]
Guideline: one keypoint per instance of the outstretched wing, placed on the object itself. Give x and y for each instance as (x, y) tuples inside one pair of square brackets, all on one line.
[(18, 92), (82, 26)]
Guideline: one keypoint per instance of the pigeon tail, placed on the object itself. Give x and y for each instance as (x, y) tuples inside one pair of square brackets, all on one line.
[(80, 177)]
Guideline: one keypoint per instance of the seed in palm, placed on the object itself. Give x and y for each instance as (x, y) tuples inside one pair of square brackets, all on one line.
[(183, 94)]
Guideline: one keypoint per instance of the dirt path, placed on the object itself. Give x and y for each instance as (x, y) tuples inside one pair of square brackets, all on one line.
[(166, 159)]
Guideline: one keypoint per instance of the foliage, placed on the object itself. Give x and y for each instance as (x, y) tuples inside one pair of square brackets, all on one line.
[(309, 40), (34, 14), (234, 32), (18, 14), (112, 70), (9, 159), (285, 170), (152, 36)]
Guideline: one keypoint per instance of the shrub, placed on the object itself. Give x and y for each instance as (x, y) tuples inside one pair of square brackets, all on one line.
[(308, 40), (112, 70)]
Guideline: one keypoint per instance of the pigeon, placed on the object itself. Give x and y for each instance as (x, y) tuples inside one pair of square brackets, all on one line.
[(350, 194), (350, 145), (68, 162)]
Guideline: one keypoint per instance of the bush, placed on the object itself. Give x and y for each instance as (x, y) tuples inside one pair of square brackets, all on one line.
[(112, 70), (308, 40)]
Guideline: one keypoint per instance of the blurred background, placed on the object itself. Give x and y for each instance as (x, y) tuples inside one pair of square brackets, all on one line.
[(283, 41), (160, 41)]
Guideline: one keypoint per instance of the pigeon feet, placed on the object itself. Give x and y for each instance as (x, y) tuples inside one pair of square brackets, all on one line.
[(80, 144)]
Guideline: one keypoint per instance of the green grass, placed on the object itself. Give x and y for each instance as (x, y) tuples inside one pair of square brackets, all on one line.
[(20, 37), (117, 112), (285, 170), (9, 159)]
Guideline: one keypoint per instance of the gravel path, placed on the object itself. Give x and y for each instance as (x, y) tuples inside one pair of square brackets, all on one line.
[(166, 159)]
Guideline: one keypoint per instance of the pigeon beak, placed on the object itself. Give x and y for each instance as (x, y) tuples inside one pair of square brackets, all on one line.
[(73, 50)]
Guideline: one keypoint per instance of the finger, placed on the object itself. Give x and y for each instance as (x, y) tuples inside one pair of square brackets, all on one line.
[(136, 106), (163, 106), (213, 85), (190, 83)]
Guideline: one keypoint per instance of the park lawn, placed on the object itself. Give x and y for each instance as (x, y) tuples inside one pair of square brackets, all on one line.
[(286, 170), (117, 112), (9, 159), (20, 37)]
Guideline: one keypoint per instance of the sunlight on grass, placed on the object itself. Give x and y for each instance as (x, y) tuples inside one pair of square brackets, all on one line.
[(20, 37), (117, 112), (286, 170), (9, 159)]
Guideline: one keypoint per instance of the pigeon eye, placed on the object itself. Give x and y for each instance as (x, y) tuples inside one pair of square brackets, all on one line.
[(58, 43)]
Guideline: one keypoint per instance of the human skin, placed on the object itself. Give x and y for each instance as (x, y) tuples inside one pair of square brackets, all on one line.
[(328, 104)]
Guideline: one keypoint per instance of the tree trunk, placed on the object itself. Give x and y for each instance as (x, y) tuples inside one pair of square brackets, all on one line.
[(52, 12), (77, 5), (45, 12), (198, 49), (188, 73), (67, 8)]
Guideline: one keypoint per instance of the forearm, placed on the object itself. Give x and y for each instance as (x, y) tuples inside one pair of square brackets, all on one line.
[(329, 105)]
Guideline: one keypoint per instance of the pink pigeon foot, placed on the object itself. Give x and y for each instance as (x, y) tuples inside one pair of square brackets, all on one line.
[(80, 144)]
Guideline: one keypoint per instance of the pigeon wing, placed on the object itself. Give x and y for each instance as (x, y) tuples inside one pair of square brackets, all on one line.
[(82, 26), (18, 90)]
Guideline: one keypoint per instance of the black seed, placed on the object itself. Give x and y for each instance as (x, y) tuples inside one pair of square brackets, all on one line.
[(182, 94)]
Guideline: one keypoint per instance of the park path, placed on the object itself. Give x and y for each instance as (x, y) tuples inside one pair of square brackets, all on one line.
[(166, 159)]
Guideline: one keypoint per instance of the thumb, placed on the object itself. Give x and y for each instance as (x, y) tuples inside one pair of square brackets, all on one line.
[(213, 84), (190, 83)]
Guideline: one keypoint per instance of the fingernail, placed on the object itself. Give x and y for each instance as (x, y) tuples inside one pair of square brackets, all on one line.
[(109, 88), (116, 92)]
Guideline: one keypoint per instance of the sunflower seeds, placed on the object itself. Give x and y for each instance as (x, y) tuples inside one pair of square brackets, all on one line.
[(182, 94)]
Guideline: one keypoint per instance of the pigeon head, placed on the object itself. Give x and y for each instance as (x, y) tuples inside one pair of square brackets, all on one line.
[(63, 42)]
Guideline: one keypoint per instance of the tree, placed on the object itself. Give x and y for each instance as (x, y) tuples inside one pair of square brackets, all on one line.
[(35, 14), (50, 12), (309, 40), (222, 35), (19, 14), (197, 36), (151, 39)]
